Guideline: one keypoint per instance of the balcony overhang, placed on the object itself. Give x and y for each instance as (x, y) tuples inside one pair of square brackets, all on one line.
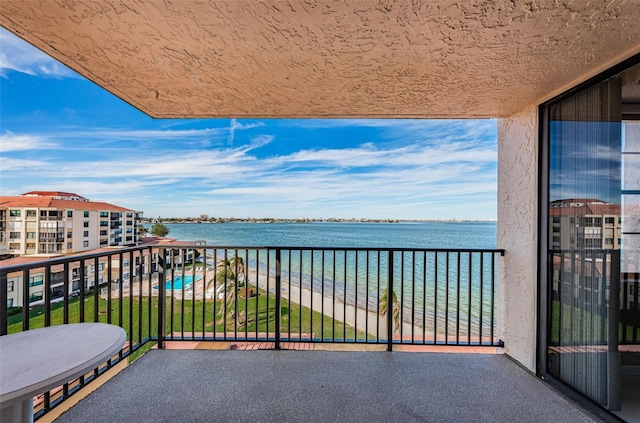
[(234, 58)]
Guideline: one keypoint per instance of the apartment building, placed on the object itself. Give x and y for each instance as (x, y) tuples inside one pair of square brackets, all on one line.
[(54, 223), (103, 267), (112, 267), (585, 223)]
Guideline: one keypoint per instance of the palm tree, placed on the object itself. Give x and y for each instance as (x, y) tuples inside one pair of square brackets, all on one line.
[(384, 308), (160, 229), (230, 272)]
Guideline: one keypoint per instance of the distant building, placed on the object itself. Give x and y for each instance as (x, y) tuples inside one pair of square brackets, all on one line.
[(585, 224), (114, 267), (57, 223)]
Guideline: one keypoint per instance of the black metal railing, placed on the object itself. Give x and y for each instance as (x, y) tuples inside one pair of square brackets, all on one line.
[(594, 321), (278, 294), (583, 284)]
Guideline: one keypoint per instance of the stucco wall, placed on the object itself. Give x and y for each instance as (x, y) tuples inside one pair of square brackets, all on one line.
[(517, 234)]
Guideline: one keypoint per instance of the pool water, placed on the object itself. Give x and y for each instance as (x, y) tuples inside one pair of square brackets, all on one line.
[(178, 282)]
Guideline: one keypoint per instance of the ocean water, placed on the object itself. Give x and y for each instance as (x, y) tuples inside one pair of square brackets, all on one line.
[(335, 235), (430, 281)]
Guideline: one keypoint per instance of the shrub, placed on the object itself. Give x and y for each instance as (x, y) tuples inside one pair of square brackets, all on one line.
[(14, 310)]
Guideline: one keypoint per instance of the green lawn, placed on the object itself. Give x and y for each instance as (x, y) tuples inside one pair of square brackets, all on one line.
[(259, 317), (580, 326), (198, 317)]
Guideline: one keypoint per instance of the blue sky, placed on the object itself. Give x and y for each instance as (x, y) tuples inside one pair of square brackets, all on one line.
[(59, 131)]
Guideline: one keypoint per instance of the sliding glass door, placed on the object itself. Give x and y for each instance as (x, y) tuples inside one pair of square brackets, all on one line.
[(591, 238)]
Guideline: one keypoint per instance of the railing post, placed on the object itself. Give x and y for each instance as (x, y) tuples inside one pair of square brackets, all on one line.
[(614, 401), (161, 296), (390, 302), (278, 298), (3, 304)]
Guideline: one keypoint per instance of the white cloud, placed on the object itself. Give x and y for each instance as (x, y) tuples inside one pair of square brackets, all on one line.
[(13, 142), (9, 164), (420, 170), (415, 174), (139, 134), (234, 125), (19, 56)]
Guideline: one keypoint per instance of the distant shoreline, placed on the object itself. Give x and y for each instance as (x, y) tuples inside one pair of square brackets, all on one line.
[(222, 220)]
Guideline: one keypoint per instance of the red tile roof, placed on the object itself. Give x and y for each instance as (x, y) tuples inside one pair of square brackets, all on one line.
[(51, 194), (594, 207), (48, 202)]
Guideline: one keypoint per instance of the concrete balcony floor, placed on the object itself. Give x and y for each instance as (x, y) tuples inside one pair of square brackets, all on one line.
[(323, 386)]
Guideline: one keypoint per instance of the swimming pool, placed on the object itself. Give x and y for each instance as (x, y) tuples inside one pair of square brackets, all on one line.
[(177, 282)]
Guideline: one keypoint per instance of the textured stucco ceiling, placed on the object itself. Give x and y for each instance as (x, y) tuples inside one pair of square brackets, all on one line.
[(325, 58)]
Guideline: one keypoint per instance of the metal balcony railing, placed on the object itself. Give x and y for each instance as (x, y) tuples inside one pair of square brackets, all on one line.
[(592, 302), (280, 294)]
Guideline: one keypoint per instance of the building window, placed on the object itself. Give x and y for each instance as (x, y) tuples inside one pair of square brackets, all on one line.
[(14, 235), (85, 243), (35, 296), (69, 245), (31, 213), (608, 241), (43, 214), (35, 281), (104, 223), (104, 233), (31, 245), (10, 286), (14, 213), (86, 214), (85, 234), (610, 220), (104, 214), (9, 302), (31, 235), (86, 224), (69, 234), (69, 213)]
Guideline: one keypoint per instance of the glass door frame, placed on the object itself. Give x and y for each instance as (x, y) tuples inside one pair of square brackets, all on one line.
[(543, 318)]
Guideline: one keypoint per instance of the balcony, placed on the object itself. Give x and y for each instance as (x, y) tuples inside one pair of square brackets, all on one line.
[(323, 386), (327, 300)]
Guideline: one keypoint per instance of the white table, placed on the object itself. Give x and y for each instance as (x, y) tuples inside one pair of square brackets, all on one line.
[(35, 361)]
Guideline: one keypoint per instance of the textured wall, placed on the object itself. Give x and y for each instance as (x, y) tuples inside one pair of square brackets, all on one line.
[(321, 58), (517, 234)]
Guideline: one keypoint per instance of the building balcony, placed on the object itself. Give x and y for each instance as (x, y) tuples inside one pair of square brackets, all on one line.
[(51, 218), (332, 303), (323, 386)]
